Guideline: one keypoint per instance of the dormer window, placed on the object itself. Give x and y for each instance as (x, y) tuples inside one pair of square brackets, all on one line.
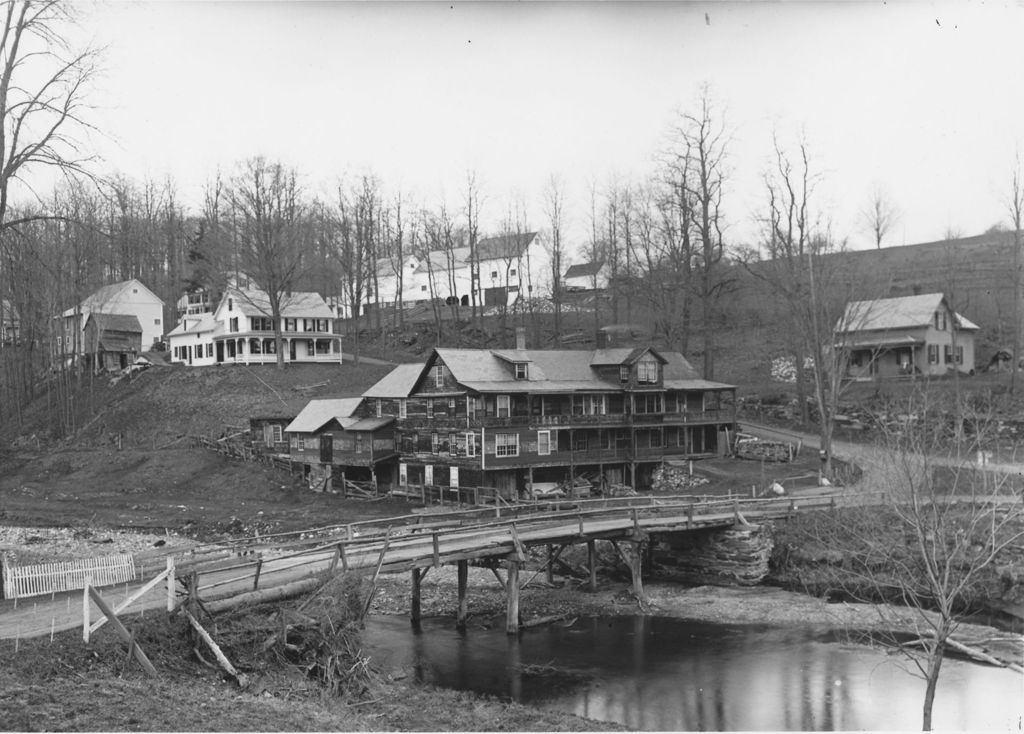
[(521, 370), (647, 371), (439, 375), (624, 373)]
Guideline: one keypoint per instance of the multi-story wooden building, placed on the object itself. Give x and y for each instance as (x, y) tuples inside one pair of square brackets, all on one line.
[(511, 418)]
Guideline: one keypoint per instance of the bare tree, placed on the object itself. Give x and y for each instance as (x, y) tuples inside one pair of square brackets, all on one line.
[(931, 543), (270, 213), (554, 208), (472, 238), (1016, 207), (43, 82), (879, 216), (700, 160), (796, 241)]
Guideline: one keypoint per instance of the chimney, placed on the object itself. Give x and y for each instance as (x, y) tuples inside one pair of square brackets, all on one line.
[(520, 338), (602, 339)]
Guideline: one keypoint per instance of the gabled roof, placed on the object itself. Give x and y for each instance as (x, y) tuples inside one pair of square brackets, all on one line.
[(115, 322), (196, 324), (108, 293), (559, 370), (504, 247), (440, 261), (622, 355), (398, 383), (906, 312), (254, 302), (584, 270), (322, 411)]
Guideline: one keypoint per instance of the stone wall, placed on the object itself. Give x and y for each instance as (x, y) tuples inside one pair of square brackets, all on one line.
[(736, 556)]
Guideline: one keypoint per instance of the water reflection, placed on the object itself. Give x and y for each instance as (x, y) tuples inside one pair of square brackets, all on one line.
[(652, 673)]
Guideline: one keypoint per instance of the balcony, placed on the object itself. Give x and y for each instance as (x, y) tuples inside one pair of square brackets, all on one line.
[(460, 422)]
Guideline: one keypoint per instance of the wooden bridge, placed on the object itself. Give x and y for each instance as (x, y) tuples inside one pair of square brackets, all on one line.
[(261, 569)]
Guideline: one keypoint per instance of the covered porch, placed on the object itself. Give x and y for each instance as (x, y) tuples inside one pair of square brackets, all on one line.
[(263, 349)]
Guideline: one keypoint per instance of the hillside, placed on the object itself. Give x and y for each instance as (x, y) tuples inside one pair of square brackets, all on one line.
[(167, 403)]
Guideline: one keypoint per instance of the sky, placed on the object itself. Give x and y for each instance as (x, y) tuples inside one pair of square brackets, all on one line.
[(920, 101)]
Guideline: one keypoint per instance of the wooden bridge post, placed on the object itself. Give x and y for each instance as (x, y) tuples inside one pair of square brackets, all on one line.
[(461, 612), (592, 564), (415, 606), (512, 588), (550, 565), (635, 569)]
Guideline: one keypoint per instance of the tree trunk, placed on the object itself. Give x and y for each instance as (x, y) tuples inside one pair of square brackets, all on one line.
[(931, 682)]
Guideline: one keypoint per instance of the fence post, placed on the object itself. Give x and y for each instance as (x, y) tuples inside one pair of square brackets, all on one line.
[(85, 610), (170, 583)]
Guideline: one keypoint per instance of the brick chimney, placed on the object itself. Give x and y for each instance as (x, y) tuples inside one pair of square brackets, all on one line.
[(520, 338)]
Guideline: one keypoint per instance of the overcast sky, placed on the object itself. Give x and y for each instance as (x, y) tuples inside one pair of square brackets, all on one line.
[(922, 100)]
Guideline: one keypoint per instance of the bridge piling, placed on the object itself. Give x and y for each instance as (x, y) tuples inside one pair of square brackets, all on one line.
[(460, 614), (512, 586), (416, 604), (592, 565)]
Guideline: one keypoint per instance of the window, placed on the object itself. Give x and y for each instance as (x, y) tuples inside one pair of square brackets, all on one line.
[(378, 407), (647, 371), (231, 304), (512, 272), (521, 370), (451, 404), (947, 353), (430, 409), (506, 444), (543, 443), (403, 408), (295, 443), (291, 325), (933, 354), (310, 443), (439, 375), (423, 288), (504, 405), (494, 274), (156, 322), (209, 350), (233, 324), (470, 444), (624, 373), (435, 443), (959, 355), (453, 441), (579, 442), (276, 433)]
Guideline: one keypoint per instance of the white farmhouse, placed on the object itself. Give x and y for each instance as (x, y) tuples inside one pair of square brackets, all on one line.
[(241, 330)]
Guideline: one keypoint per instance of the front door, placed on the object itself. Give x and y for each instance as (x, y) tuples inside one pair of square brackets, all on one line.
[(326, 449), (220, 351)]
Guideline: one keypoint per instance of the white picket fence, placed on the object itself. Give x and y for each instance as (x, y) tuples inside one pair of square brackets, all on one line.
[(48, 578)]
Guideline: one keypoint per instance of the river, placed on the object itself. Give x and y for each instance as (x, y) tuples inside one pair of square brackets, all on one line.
[(656, 673)]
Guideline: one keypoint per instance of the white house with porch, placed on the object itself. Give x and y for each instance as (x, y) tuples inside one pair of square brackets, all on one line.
[(241, 331)]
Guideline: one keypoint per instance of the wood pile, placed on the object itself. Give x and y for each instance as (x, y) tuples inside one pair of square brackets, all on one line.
[(760, 450), (675, 479)]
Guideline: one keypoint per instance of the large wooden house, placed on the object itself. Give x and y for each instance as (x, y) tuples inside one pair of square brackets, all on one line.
[(516, 417), (332, 437), (904, 337)]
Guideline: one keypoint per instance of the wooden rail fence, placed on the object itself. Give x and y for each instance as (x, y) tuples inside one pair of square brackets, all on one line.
[(51, 578)]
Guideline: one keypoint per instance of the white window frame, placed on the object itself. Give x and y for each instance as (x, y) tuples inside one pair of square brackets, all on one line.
[(647, 371), (506, 445), (522, 371), (277, 431), (470, 444), (379, 407), (507, 400), (403, 408), (543, 443), (439, 375)]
